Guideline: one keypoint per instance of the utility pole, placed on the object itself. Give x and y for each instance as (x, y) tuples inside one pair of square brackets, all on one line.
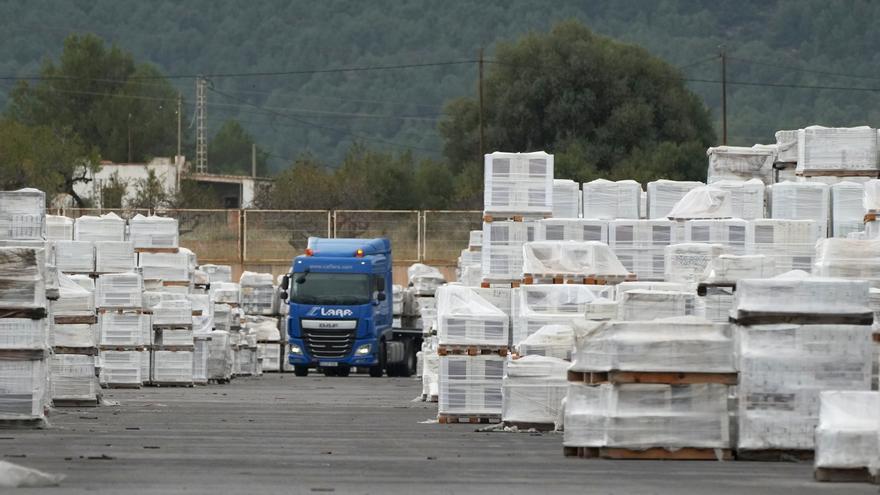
[(723, 96), (482, 120), (201, 126), (253, 159), (129, 138), (179, 103)]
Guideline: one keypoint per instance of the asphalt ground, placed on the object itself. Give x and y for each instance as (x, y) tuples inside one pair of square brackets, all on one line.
[(279, 434)]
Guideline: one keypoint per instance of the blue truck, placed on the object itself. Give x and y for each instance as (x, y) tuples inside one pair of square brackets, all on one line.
[(340, 299)]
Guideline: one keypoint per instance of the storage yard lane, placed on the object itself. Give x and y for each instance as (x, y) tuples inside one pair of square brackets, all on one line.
[(283, 434)]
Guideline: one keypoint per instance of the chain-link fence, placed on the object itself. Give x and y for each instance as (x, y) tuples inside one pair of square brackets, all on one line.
[(446, 233), (214, 235), (402, 228), (273, 236)]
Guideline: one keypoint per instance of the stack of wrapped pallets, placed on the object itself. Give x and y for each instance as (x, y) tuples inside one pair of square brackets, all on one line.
[(124, 329), (73, 336)]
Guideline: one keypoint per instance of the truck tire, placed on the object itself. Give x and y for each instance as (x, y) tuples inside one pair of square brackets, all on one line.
[(377, 370), (407, 367), (301, 370)]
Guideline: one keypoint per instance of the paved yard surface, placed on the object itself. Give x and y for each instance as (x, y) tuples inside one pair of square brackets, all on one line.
[(280, 434)]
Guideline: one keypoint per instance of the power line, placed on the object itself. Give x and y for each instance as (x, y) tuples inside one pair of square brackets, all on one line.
[(799, 69)]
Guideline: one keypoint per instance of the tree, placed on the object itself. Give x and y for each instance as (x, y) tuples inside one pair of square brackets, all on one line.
[(149, 192), (598, 104), (230, 151), (113, 192), (306, 185)]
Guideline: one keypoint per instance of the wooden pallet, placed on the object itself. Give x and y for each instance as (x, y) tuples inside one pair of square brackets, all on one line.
[(82, 351), (876, 337), (871, 216), (492, 284), (703, 287), (528, 425), (770, 318), (174, 348), (843, 475), (551, 278), (76, 320), (653, 453), (444, 419), (172, 384), (218, 381), (23, 354), (23, 424), (171, 250), (123, 348), (470, 350), (667, 378), (197, 312), (133, 310), (774, 455), (29, 313), (121, 385), (839, 173), (175, 326), (76, 402), (176, 283)]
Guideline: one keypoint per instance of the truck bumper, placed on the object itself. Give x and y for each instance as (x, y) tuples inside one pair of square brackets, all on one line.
[(304, 359)]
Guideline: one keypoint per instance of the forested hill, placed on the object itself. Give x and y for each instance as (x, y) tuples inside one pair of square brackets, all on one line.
[(778, 53)]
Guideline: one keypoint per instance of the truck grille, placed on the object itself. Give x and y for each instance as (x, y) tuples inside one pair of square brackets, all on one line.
[(329, 343)]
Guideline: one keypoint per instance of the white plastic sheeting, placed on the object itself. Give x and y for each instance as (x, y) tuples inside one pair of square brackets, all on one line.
[(73, 377), (463, 317), (59, 228), (847, 213), (122, 367), (23, 389), (107, 227), (123, 329), (848, 258), (172, 312), (571, 229), (535, 306), (787, 146), (801, 201), (729, 268), (23, 333), (114, 256), (217, 273), (470, 384), (555, 341), (848, 435), (220, 356), (153, 232), (822, 149), (572, 258), (871, 199), (475, 239), (656, 304), (424, 279), (729, 233), (257, 293), (470, 268), (740, 163), (74, 256), (22, 281), (518, 183), (430, 369), (782, 371), (119, 290), (640, 416), (607, 200), (624, 287), (73, 299), (703, 202), (687, 262), (791, 244), (172, 267), (502, 249), (533, 389), (225, 292), (716, 303), (802, 296), (746, 197), (172, 367), (640, 245), (686, 344), (22, 214), (566, 198), (664, 194), (73, 335)]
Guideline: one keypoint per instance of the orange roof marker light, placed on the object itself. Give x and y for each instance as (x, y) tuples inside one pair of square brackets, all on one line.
[(359, 253), (309, 252)]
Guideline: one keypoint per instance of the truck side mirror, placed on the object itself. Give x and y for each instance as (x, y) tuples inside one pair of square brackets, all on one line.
[(285, 282), (381, 296)]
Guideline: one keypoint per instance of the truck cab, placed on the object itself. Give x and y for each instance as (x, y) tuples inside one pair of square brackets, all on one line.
[(340, 315)]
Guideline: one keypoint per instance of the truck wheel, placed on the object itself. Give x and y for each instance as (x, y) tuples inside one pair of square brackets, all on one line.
[(301, 370), (408, 367), (377, 370)]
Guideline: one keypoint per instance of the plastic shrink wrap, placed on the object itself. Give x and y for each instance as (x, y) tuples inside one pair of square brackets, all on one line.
[(686, 263), (686, 344), (847, 258), (225, 292), (535, 306), (798, 294), (463, 317), (430, 370), (518, 184), (200, 360), (787, 146), (500, 297), (624, 287), (73, 335), (551, 340), (220, 356), (571, 229), (171, 267), (729, 233), (22, 214), (847, 213), (571, 258), (23, 389), (119, 290), (470, 268), (22, 282), (114, 256), (153, 232), (715, 303), (801, 201), (172, 367), (533, 389), (107, 227), (746, 197), (848, 434), (824, 149), (122, 368), (169, 312), (59, 228), (608, 200), (703, 202), (502, 249), (871, 198), (123, 329), (203, 324), (640, 416), (783, 369), (217, 273), (424, 279), (475, 240), (73, 377), (566, 198), (740, 163), (257, 293), (73, 299), (664, 194), (790, 244), (640, 245), (23, 333), (470, 384), (74, 256), (656, 304)]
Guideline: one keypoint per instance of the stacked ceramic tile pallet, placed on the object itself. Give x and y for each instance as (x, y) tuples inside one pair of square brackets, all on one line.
[(220, 355), (260, 298), (123, 329), (416, 307), (227, 318), (73, 336)]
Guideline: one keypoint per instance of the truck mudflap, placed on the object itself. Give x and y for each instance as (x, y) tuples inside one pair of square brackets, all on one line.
[(395, 352)]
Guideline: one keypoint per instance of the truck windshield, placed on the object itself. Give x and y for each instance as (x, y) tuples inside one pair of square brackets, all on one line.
[(331, 288)]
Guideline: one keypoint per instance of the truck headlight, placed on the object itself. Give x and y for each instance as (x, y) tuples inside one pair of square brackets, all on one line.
[(295, 349), (363, 350)]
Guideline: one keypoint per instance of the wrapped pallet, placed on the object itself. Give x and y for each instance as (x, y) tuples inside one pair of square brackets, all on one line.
[(746, 197), (848, 433), (787, 146), (200, 360), (23, 389), (225, 293), (715, 302), (23, 333), (535, 306), (169, 267), (740, 163), (566, 198), (848, 258), (114, 257), (122, 368), (607, 200), (871, 197), (797, 295), (470, 268), (424, 279), (532, 390), (220, 356), (204, 323), (502, 250), (656, 304), (571, 229), (470, 386), (518, 184), (790, 244), (847, 213), (549, 259), (802, 201), (837, 149), (552, 340), (257, 293), (217, 273), (702, 202), (729, 233), (22, 215), (624, 287), (22, 280), (59, 228), (464, 318), (123, 329), (107, 227), (687, 262), (73, 378), (664, 194), (153, 232), (640, 245), (75, 256), (73, 299), (172, 367), (728, 268), (475, 240), (119, 290)]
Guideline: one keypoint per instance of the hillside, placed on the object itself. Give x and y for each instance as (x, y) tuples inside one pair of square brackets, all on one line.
[(772, 47)]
